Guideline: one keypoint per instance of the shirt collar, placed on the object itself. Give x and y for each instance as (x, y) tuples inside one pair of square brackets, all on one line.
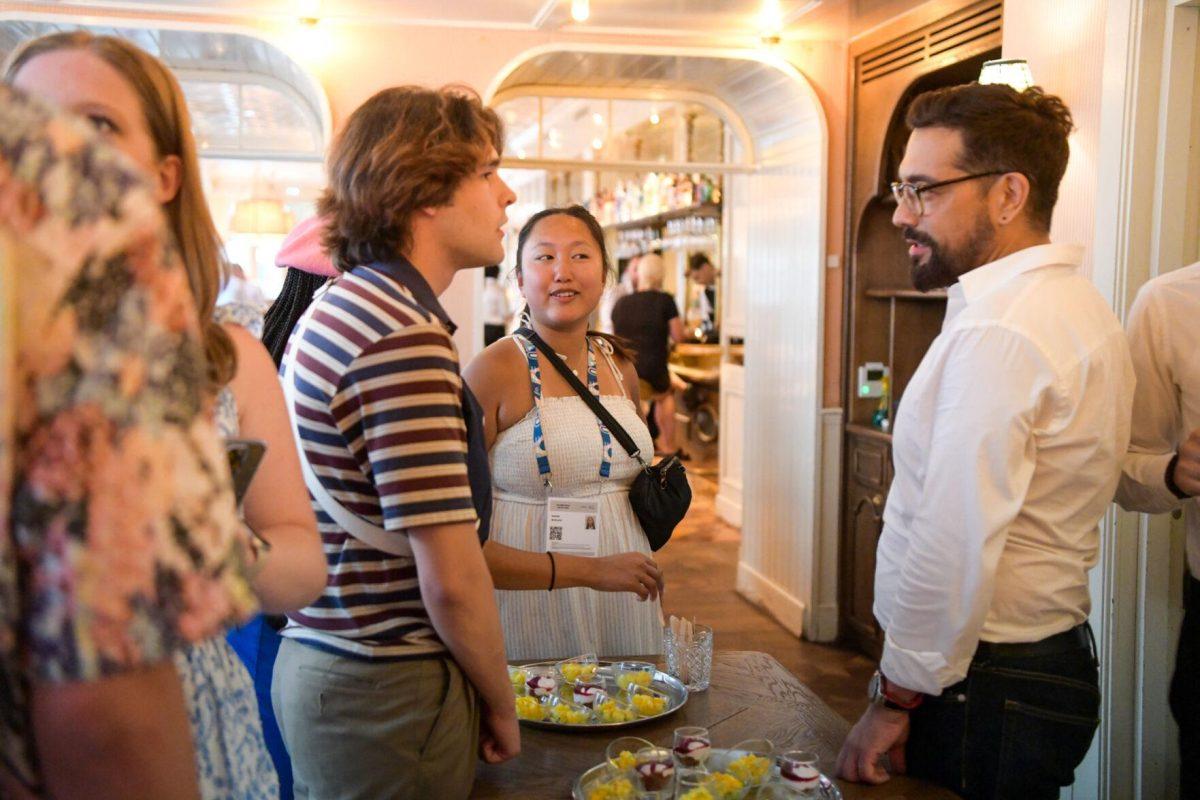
[(981, 280), (403, 272)]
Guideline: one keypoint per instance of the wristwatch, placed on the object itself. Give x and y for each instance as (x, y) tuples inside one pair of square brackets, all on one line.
[(877, 692)]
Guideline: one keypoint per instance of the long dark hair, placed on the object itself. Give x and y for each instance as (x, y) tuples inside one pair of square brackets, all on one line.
[(620, 347), (294, 299)]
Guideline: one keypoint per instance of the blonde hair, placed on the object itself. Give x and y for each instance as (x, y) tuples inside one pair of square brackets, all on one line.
[(650, 271), (165, 111)]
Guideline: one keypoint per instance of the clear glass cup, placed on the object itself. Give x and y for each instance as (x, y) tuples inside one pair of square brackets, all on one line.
[(654, 773), (632, 673), (691, 782), (691, 747), (542, 682), (580, 667), (798, 770), (621, 753), (751, 761), (690, 662)]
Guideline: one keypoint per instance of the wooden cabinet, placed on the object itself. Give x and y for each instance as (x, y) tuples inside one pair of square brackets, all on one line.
[(887, 321)]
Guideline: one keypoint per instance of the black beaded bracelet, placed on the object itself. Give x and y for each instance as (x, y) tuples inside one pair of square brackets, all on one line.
[(553, 572)]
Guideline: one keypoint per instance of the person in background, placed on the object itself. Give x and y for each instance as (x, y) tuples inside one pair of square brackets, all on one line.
[(394, 679), (241, 291), (545, 440), (702, 273), (1007, 451), (626, 284), (649, 320), (496, 312), (1162, 469), (136, 104), (119, 539), (308, 268)]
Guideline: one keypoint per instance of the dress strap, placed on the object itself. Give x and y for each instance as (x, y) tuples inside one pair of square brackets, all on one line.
[(607, 349)]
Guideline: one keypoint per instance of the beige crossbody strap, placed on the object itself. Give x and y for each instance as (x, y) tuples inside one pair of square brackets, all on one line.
[(392, 542)]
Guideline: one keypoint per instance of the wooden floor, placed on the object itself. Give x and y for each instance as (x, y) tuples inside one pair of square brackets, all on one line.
[(700, 565)]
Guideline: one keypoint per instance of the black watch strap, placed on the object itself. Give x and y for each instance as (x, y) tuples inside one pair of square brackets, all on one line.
[(1169, 478)]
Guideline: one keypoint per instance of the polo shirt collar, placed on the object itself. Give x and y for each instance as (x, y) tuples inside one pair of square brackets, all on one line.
[(403, 272)]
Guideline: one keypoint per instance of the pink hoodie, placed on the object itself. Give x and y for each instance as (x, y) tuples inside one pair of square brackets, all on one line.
[(302, 249)]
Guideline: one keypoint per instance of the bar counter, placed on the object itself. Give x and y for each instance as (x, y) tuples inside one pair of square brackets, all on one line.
[(751, 696)]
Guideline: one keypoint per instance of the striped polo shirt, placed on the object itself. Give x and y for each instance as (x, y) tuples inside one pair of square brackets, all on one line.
[(380, 408)]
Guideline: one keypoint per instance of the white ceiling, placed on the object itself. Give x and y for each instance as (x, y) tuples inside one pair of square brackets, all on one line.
[(728, 17)]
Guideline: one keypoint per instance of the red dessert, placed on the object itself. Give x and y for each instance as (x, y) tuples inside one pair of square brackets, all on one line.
[(801, 776), (586, 692), (655, 775), (541, 685), (692, 750)]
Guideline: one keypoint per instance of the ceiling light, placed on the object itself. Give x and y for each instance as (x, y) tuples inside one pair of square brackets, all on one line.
[(654, 118), (770, 21), (1012, 71), (292, 191), (521, 152), (580, 10), (597, 143), (598, 118)]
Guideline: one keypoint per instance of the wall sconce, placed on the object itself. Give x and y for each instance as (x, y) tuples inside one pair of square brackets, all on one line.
[(1012, 71), (580, 10)]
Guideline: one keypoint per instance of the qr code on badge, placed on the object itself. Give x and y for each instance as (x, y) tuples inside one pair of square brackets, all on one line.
[(555, 533)]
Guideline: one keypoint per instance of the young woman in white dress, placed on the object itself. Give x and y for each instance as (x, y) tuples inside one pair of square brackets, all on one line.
[(544, 440)]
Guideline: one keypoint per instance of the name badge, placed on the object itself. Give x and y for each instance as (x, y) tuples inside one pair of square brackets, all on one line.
[(573, 525)]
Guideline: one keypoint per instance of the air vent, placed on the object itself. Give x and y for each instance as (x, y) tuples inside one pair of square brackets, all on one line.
[(980, 22)]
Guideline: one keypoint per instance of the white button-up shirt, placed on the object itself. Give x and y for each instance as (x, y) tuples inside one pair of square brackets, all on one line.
[(1164, 340), (1008, 447)]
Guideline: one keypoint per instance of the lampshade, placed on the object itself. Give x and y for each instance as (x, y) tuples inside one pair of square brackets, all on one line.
[(261, 216), (1013, 71)]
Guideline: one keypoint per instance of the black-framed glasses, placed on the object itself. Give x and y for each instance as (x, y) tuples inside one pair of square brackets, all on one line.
[(908, 195)]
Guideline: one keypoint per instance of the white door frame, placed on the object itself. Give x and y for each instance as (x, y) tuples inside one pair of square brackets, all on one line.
[(1149, 70)]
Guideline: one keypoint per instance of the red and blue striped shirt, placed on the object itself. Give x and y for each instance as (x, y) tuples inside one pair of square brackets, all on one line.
[(380, 405)]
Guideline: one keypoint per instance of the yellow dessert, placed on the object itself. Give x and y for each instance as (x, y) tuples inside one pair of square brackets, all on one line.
[(648, 705), (724, 786), (640, 678), (573, 671), (611, 712), (620, 789), (530, 708), (750, 769), (697, 794), (569, 716), (626, 760), (518, 678)]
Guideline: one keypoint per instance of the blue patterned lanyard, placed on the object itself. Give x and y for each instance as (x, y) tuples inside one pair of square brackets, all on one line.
[(539, 439)]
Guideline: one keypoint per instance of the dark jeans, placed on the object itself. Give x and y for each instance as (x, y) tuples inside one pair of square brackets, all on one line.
[(1014, 729), (1185, 690)]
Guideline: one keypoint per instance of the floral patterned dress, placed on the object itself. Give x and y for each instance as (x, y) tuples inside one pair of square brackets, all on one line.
[(231, 755), (119, 537)]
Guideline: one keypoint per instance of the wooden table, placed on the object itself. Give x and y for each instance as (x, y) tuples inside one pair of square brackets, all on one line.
[(751, 696)]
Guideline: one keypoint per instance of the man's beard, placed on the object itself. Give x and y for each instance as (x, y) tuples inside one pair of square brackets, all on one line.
[(943, 266)]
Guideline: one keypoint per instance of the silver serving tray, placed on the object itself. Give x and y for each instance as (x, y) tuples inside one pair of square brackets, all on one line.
[(719, 756), (673, 688)]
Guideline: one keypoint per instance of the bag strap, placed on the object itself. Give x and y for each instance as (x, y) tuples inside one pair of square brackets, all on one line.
[(391, 542), (592, 401)]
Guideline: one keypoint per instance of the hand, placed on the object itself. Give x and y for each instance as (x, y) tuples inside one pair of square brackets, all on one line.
[(1187, 467), (627, 572), (880, 730), (499, 736)]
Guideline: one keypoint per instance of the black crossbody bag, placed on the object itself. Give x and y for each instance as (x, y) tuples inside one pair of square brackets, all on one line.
[(660, 494)]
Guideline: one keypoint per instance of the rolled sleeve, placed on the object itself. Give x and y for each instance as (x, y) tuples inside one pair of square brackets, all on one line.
[(1157, 423)]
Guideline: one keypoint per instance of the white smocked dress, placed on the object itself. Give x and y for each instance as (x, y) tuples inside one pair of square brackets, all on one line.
[(566, 622)]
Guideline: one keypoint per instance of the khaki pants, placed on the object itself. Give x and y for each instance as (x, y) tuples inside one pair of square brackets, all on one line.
[(358, 730)]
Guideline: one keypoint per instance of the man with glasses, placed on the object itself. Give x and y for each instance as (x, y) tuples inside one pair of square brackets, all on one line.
[(1007, 450)]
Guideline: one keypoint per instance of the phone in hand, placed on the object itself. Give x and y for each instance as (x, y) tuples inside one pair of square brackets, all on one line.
[(244, 457)]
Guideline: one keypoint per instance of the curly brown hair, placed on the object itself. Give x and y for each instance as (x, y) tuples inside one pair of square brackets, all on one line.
[(1004, 130), (404, 149)]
